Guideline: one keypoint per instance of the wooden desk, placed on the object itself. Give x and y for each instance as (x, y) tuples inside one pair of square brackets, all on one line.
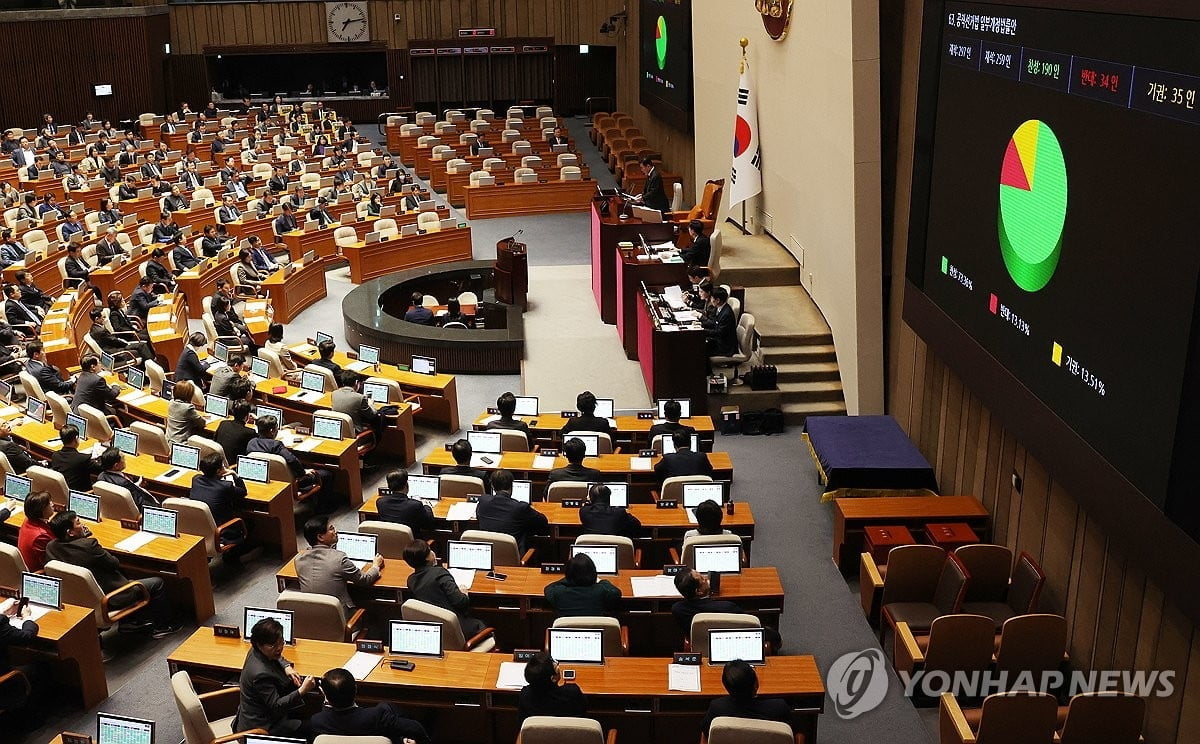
[(63, 329), (201, 279), (291, 293), (299, 242), (167, 324), (631, 274), (552, 197), (607, 232), (454, 185), (628, 693), (123, 278), (70, 637), (673, 361), (262, 228), (399, 253), (852, 515), (436, 395), (632, 433)]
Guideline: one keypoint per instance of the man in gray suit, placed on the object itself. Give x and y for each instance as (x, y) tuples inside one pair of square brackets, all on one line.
[(348, 400), (224, 377), (91, 389), (326, 570)]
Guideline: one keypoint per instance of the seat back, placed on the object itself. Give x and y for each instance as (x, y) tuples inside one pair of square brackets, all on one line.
[(710, 202), (567, 158), (386, 227), (344, 236), (459, 486), (429, 221), (1103, 718), (504, 546), (98, 426), (116, 502), (672, 488), (626, 555), (702, 622), (912, 573), (716, 243), (952, 586), (730, 730), (990, 567), (560, 730), (152, 440), (1017, 718), (318, 616), (195, 518), (677, 197), (512, 440), (345, 418), (59, 408), (156, 374), (960, 643), (1026, 586), (393, 538), (605, 444), (5, 465), (274, 363), (570, 173), (1031, 643), (612, 644), (79, 588), (452, 633), (50, 481), (196, 727), (560, 490), (32, 387), (325, 373), (12, 565), (688, 553)]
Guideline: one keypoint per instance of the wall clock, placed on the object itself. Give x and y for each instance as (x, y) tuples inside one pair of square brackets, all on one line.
[(347, 21), (776, 15)]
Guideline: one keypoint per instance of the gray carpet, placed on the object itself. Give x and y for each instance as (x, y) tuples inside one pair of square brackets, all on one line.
[(775, 474)]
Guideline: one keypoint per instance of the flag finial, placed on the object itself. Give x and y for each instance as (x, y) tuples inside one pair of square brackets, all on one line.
[(744, 42)]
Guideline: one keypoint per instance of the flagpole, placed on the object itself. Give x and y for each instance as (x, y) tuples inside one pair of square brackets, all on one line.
[(744, 42)]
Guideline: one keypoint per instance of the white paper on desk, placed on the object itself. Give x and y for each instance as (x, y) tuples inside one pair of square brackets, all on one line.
[(36, 612), (162, 332), (691, 515), (543, 462), (489, 419), (512, 675), (639, 463), (464, 577), (683, 677), (654, 586), (9, 411), (673, 259), (135, 541), (461, 511), (358, 366), (361, 664), (255, 319), (674, 297), (308, 445), (668, 328), (643, 257), (686, 316)]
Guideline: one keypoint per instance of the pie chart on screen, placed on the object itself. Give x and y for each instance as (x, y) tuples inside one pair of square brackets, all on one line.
[(660, 42), (1033, 205)]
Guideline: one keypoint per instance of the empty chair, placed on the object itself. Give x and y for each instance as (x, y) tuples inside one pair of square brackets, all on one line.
[(152, 440), (677, 197), (430, 222), (486, 114), (482, 178), (393, 538), (570, 173), (990, 567), (616, 636), (441, 152), (59, 408), (560, 490), (31, 386), (715, 243), (320, 616), (50, 481), (1024, 590), (510, 135), (525, 175), (195, 518), (459, 486), (98, 425), (628, 557), (946, 599), (531, 161), (521, 147), (731, 730), (512, 440), (504, 547), (563, 730), (544, 112), (1031, 643), (567, 158), (1103, 718), (956, 643), (468, 138), (493, 165), (344, 236), (198, 728), (458, 165), (12, 565), (745, 348), (79, 587), (386, 227), (156, 374), (452, 633), (1004, 718), (702, 622), (116, 502)]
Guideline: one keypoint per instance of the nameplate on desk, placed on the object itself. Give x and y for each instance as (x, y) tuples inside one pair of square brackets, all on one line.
[(553, 568), (69, 738), (687, 659), (548, 452), (369, 647), (666, 504), (572, 503), (646, 415), (671, 569), (493, 411), (131, 524), (227, 631), (570, 414), (10, 593), (473, 498), (646, 453), (522, 655)]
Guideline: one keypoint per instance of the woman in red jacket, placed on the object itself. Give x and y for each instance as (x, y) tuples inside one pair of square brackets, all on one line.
[(35, 531)]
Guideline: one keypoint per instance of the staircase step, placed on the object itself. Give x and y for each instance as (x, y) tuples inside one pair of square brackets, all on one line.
[(796, 392), (794, 339), (799, 353), (806, 371), (794, 414)]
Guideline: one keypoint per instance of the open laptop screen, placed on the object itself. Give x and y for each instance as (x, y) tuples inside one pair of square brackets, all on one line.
[(577, 646), (484, 441), (740, 644), (254, 614), (604, 556), (719, 558), (412, 638), (685, 407), (111, 729), (472, 555)]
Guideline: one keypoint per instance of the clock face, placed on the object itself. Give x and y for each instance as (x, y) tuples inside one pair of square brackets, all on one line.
[(347, 21)]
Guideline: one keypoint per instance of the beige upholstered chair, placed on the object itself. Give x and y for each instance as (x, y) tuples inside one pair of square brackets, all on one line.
[(320, 616), (560, 490), (12, 565), (195, 518), (570, 173), (392, 538), (116, 502), (687, 555), (152, 439), (459, 486), (563, 730), (452, 633), (79, 588), (616, 636), (628, 557), (505, 551), (50, 481), (207, 718), (730, 730), (702, 622)]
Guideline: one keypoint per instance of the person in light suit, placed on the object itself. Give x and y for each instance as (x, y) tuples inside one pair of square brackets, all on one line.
[(348, 399), (324, 569)]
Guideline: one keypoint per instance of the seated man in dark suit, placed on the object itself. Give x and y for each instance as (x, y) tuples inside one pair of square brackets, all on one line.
[(17, 455), (418, 313), (182, 255), (544, 696), (272, 696), (397, 507), (697, 254), (743, 701), (682, 461), (190, 367), (500, 512), (506, 404), (268, 429), (654, 195), (158, 272), (234, 433), (75, 466), (341, 716), (92, 390), (585, 402), (671, 411), (720, 333), (324, 358), (22, 317), (112, 471), (45, 373), (574, 450), (224, 492), (30, 294), (461, 452), (142, 299), (696, 591), (598, 517), (17, 629)]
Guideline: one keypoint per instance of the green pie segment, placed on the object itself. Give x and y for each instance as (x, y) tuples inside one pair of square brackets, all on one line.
[(660, 42), (1033, 205)]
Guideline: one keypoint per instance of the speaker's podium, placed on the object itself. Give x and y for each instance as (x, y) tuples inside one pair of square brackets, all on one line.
[(512, 273)]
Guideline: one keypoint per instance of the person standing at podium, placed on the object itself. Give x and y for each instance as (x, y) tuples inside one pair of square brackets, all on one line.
[(654, 196)]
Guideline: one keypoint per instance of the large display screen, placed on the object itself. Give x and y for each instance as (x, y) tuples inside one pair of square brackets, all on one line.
[(666, 60), (1055, 217)]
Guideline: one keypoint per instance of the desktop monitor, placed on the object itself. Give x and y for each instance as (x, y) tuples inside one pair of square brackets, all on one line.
[(605, 407), (216, 405), (522, 490), (685, 407), (376, 392), (591, 443), (323, 336), (618, 493), (5, 392), (424, 365), (221, 351), (327, 427), (604, 556), (79, 422), (487, 442), (251, 616), (35, 409), (526, 406), (111, 729), (719, 558), (16, 486), (312, 381), (86, 505), (45, 591), (471, 555), (107, 361), (168, 389), (261, 412), (695, 494), (358, 546), (577, 645), (424, 487), (736, 644), (185, 456), (668, 444), (253, 469), (126, 441), (160, 521), (368, 354), (412, 638), (259, 367)]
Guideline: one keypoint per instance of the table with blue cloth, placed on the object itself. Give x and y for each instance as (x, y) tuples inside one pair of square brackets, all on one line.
[(867, 455)]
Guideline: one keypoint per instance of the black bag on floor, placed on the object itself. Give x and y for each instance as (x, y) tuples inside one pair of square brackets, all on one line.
[(764, 377), (752, 422), (772, 421)]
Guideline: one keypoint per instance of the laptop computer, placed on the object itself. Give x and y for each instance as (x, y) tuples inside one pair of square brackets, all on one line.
[(253, 469), (160, 521), (359, 547), (79, 422), (259, 368), (736, 644), (376, 392), (86, 505), (522, 490), (114, 729), (44, 591), (327, 427), (604, 556), (252, 615), (718, 558), (484, 442), (261, 412), (576, 645), (414, 638), (526, 406), (469, 555), (668, 444), (424, 487), (424, 365)]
